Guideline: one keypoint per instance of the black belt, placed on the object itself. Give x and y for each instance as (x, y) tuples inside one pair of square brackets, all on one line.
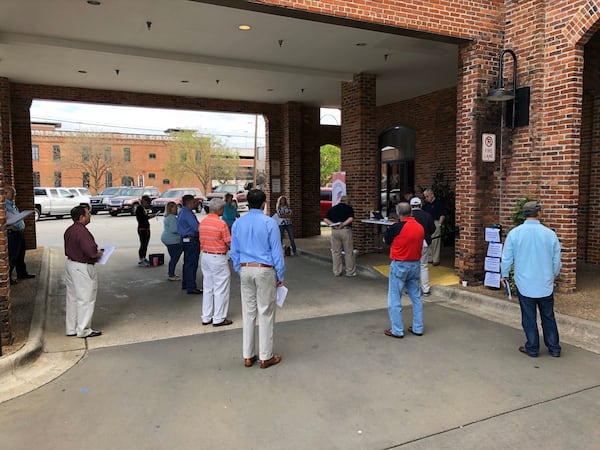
[(80, 262), (191, 236)]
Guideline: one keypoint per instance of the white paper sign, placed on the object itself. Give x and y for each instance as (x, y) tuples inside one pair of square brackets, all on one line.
[(492, 264), (492, 279), (492, 234), (495, 250)]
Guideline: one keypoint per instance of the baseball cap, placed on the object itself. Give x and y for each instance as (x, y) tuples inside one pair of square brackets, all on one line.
[(530, 209), (415, 201)]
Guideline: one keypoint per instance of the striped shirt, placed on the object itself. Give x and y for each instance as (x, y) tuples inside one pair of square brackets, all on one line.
[(214, 234)]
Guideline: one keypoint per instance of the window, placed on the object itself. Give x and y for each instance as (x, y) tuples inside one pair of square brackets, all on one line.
[(108, 181), (36, 179), (126, 154), (57, 179), (86, 179), (152, 155), (56, 152), (151, 175), (127, 181), (183, 157), (85, 154), (166, 181), (140, 180), (35, 153), (198, 156), (107, 154)]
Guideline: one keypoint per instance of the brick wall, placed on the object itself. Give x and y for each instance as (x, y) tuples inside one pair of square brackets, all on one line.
[(5, 178)]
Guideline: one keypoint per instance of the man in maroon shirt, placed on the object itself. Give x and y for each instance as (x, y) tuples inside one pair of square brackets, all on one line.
[(81, 279), (406, 242)]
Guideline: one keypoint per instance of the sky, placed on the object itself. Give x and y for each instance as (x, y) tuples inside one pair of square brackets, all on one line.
[(235, 130)]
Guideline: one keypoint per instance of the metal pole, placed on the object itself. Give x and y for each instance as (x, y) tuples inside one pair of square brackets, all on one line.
[(500, 177)]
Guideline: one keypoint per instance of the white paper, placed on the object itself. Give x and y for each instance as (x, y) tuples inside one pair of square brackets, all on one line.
[(492, 264), (11, 219), (335, 224), (108, 250), (492, 234), (280, 295), (494, 250), (492, 279)]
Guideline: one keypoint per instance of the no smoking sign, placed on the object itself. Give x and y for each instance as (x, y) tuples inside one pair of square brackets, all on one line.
[(488, 147)]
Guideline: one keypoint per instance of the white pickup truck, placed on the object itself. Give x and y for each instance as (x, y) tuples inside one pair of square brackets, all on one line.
[(56, 201)]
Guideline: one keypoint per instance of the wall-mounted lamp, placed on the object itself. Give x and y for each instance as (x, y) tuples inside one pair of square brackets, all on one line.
[(517, 113)]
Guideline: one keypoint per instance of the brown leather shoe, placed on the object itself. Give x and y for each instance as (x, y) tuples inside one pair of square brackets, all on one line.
[(270, 362), (248, 362)]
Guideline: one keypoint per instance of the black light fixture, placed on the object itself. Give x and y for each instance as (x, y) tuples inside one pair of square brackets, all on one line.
[(500, 93)]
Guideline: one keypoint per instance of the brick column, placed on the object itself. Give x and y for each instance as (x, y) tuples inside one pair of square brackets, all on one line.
[(591, 252), (308, 173), (360, 153), (5, 177)]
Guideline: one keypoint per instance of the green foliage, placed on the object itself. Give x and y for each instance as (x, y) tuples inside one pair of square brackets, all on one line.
[(518, 217), (331, 161), (443, 191), (203, 157)]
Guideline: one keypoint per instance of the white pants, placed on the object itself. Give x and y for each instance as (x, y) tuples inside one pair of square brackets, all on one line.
[(215, 284), (81, 281), (258, 286), (424, 269)]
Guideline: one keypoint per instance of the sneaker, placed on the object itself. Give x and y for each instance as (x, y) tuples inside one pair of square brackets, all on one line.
[(143, 263), (174, 278), (426, 294)]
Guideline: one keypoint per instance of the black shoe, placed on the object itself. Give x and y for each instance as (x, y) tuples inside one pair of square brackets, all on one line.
[(71, 335), (195, 291), (524, 350), (426, 294), (13, 282), (93, 334), (410, 330), (207, 323), (223, 324), (26, 276)]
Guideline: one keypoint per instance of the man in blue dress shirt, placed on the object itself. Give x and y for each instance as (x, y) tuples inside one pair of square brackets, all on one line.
[(258, 258), (187, 227), (535, 252)]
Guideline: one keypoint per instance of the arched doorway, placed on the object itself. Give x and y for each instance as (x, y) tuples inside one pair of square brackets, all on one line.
[(397, 177)]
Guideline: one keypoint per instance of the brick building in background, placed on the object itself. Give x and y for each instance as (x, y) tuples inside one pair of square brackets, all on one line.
[(552, 157), (97, 160)]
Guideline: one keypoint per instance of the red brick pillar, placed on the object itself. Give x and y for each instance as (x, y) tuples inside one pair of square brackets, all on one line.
[(308, 172), (5, 177), (360, 153), (591, 251)]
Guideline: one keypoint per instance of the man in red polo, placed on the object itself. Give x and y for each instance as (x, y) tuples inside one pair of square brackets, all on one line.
[(406, 242)]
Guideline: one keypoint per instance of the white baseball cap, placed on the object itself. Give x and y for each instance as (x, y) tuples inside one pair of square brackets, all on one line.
[(415, 201)]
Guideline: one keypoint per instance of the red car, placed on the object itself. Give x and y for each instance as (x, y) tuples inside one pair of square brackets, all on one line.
[(176, 195), (325, 203)]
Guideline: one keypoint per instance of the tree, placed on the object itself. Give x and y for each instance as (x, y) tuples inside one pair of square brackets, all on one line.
[(330, 162), (90, 153), (203, 157)]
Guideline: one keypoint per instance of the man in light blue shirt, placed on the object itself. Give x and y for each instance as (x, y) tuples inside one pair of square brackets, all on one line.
[(535, 252), (258, 258)]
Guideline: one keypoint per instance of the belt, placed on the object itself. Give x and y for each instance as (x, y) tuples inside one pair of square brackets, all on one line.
[(195, 236), (255, 264), (80, 262), (213, 253)]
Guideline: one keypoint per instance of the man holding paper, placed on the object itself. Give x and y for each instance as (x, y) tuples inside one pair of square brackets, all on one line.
[(81, 279), (535, 252), (340, 218), (257, 257), (16, 238)]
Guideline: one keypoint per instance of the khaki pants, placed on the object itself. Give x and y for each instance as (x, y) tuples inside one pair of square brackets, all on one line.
[(436, 244), (342, 239), (258, 286)]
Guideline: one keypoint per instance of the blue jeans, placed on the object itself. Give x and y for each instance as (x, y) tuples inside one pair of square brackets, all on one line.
[(405, 273), (174, 255), (191, 254), (290, 231), (529, 323)]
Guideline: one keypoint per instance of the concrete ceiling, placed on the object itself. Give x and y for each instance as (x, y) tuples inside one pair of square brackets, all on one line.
[(195, 49)]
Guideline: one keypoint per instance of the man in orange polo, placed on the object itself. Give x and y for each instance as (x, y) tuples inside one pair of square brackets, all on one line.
[(215, 240)]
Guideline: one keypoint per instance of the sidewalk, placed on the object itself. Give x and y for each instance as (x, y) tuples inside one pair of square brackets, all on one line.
[(127, 316)]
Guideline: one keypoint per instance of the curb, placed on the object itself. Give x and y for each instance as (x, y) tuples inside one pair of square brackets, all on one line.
[(35, 341), (581, 333), (363, 270)]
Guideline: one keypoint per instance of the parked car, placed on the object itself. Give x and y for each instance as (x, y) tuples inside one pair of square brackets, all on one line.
[(325, 202), (56, 201), (176, 195), (238, 192), (130, 199), (100, 202), (79, 191)]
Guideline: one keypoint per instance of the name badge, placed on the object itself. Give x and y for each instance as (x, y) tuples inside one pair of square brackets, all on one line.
[(187, 240)]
